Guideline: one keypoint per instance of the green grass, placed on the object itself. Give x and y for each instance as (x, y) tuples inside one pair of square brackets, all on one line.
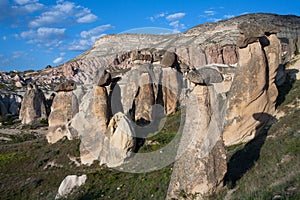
[(165, 136), (273, 157), (24, 173), (111, 184)]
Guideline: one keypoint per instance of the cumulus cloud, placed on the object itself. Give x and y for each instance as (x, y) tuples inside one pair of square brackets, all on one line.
[(88, 38), (63, 12), (44, 36), (228, 16), (21, 2), (58, 60), (157, 16), (210, 12), (175, 16), (177, 26), (12, 12), (95, 31), (44, 33), (87, 18)]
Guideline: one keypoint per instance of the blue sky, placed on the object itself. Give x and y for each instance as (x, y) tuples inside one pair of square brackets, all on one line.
[(37, 33)]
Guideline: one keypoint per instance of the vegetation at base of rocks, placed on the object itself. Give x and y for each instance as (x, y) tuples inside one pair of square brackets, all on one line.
[(111, 184), (268, 167), (297, 51), (44, 121), (30, 168), (164, 136), (184, 195), (289, 95)]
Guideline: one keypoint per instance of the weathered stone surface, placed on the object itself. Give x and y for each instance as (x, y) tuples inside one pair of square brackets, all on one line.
[(110, 146), (10, 103), (145, 99), (230, 54), (101, 106), (33, 106), (214, 54), (66, 86), (204, 76), (3, 109), (252, 31), (171, 85), (102, 77), (70, 183), (253, 90), (64, 107), (201, 165), (168, 59)]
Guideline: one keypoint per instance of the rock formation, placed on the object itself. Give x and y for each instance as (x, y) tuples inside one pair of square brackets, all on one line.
[(201, 157), (63, 109), (33, 106), (232, 65), (68, 184), (253, 90)]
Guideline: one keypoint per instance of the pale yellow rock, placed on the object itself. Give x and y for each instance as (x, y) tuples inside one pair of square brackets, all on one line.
[(100, 106)]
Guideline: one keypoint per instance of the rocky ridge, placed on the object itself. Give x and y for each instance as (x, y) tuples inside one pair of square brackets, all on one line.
[(168, 70)]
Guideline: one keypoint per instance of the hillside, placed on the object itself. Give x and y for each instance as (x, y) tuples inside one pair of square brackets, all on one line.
[(211, 113)]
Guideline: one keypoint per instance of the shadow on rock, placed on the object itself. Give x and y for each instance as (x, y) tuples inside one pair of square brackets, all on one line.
[(244, 159)]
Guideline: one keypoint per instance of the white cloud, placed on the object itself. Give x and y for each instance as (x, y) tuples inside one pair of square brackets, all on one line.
[(87, 18), (95, 31), (4, 38), (215, 19), (177, 26), (157, 16), (58, 60), (88, 38), (33, 7), (21, 2), (44, 36), (48, 33), (64, 12), (175, 16), (228, 16), (210, 12)]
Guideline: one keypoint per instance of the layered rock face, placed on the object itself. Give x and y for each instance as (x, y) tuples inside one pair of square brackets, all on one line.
[(64, 107), (253, 90), (10, 103), (201, 156), (223, 73), (33, 107)]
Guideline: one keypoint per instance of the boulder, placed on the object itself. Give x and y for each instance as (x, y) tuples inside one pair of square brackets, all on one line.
[(168, 59), (63, 109), (68, 184), (33, 106), (66, 86), (251, 32), (204, 76), (102, 77)]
